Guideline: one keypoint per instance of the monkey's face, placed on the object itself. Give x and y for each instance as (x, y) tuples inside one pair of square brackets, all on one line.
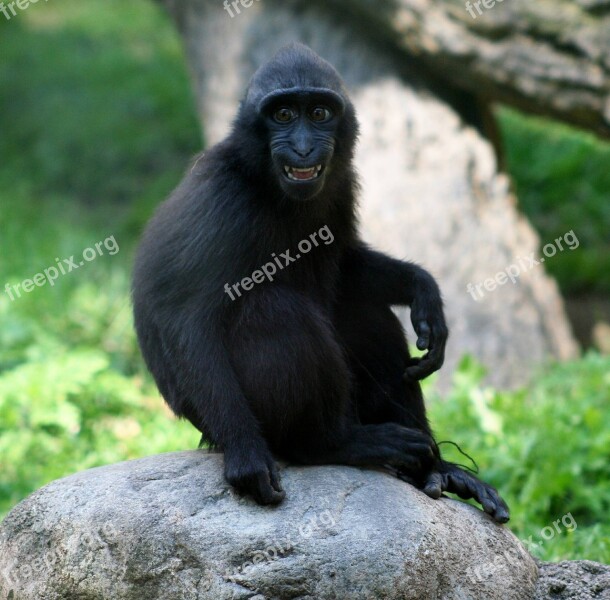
[(302, 126)]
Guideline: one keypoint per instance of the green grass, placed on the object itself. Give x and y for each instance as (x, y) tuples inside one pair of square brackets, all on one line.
[(97, 124), (95, 104)]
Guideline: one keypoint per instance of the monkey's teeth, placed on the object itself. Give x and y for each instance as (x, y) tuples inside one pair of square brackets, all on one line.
[(303, 174)]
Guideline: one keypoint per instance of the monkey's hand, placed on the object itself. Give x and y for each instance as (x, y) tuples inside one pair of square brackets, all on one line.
[(447, 477), (429, 323), (254, 472)]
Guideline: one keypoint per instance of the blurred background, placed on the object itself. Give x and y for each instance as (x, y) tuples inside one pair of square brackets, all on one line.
[(98, 121)]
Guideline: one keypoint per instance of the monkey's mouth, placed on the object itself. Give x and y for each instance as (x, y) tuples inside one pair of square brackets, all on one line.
[(309, 174)]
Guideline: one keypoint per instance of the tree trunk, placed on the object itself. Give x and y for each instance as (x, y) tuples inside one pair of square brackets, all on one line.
[(431, 192)]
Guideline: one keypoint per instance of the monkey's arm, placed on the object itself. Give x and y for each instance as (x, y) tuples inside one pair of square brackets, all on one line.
[(374, 276)]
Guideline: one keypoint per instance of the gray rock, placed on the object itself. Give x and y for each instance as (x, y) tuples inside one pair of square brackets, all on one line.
[(574, 580), (169, 527)]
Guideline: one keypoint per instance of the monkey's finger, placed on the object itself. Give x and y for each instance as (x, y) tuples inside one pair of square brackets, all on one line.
[(274, 477), (484, 494), (468, 486), (411, 368), (435, 356), (423, 335), (482, 497), (264, 493), (501, 512), (438, 344), (270, 496), (429, 363), (458, 484), (421, 369), (434, 485)]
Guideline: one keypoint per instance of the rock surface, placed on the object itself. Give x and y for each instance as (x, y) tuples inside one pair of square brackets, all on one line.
[(168, 527), (574, 580)]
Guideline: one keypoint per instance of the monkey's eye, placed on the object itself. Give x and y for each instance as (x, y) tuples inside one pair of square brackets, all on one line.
[(284, 115), (320, 114)]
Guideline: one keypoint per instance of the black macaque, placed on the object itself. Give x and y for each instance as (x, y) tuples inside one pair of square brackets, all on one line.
[(266, 321)]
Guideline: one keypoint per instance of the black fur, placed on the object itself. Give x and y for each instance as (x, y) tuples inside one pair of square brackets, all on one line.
[(312, 367)]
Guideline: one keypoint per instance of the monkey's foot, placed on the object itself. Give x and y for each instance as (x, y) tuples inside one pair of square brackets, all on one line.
[(447, 477)]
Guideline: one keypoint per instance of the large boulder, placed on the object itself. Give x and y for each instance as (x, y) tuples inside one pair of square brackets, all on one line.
[(169, 527)]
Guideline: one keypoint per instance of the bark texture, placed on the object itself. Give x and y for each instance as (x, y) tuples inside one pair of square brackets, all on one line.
[(432, 191), (550, 57)]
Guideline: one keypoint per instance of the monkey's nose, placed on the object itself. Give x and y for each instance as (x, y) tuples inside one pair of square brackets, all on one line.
[(304, 152)]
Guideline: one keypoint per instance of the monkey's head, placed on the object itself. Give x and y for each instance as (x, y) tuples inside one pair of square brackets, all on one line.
[(303, 123)]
